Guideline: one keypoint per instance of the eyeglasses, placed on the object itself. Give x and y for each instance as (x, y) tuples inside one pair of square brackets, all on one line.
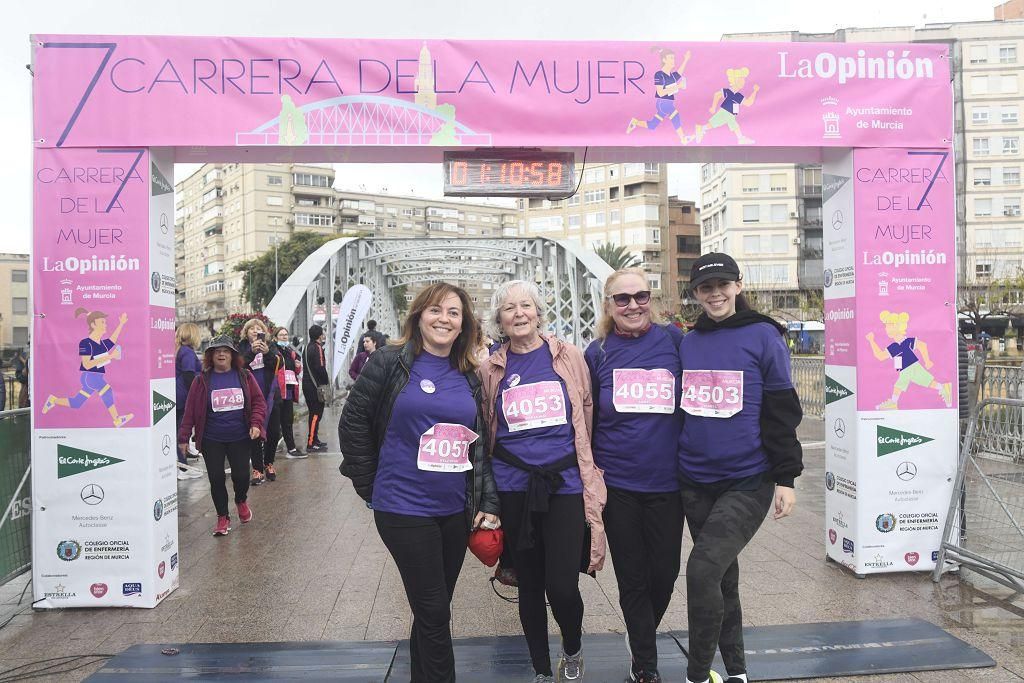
[(641, 298)]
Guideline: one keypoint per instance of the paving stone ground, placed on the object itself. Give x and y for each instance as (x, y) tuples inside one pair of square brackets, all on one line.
[(311, 567)]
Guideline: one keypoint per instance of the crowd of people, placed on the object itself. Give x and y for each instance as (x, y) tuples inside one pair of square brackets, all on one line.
[(450, 439)]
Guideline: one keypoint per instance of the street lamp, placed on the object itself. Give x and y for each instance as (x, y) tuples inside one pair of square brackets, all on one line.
[(275, 240)]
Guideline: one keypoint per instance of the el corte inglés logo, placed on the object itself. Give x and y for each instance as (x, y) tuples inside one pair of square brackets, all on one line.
[(161, 406), (892, 440), (835, 391), (72, 461)]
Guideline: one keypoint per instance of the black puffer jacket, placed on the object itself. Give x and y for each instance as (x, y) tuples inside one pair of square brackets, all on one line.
[(364, 422)]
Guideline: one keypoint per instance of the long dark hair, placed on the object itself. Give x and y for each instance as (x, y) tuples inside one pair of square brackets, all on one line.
[(463, 353)]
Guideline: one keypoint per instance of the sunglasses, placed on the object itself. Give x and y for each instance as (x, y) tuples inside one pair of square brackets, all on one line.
[(622, 300)]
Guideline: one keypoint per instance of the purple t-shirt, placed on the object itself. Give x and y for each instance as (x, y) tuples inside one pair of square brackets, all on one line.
[(88, 347), (731, 101), (663, 79), (905, 350), (186, 360), (436, 393), (536, 445), (652, 468), (225, 414), (713, 448)]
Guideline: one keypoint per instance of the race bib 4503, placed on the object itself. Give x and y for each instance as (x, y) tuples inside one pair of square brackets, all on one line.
[(643, 391), (529, 406), (712, 393)]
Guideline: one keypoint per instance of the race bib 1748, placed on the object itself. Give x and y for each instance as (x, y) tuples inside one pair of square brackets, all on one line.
[(643, 391), (225, 400), (529, 406), (712, 393), (445, 448)]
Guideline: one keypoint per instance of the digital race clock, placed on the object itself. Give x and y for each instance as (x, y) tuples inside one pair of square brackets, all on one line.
[(513, 173)]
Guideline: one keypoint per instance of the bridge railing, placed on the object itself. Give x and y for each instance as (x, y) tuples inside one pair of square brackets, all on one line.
[(809, 381)]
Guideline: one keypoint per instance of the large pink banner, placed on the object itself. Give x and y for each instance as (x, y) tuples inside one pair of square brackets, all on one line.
[(906, 279), (90, 294), (229, 92)]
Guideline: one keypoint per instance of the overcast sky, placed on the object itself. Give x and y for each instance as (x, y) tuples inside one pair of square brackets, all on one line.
[(655, 20)]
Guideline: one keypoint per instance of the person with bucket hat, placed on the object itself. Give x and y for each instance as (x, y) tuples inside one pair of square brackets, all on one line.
[(738, 454), (227, 412)]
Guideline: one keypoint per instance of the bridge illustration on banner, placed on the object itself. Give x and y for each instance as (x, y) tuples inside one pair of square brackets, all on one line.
[(365, 120)]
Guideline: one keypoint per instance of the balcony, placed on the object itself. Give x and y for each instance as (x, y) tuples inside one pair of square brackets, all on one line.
[(810, 190), (812, 273)]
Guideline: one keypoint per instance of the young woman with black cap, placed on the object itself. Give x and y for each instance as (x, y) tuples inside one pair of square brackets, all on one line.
[(738, 454), (315, 385), (227, 411)]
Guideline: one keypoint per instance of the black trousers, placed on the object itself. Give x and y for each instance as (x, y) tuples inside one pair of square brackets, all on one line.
[(273, 434), (645, 535), (315, 408), (237, 455), (721, 523), (179, 415), (287, 417), (551, 567), (429, 552)]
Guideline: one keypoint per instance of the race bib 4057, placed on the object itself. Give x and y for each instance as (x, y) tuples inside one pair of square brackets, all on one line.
[(445, 448), (712, 393)]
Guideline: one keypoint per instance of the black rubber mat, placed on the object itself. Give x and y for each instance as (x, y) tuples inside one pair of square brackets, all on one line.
[(808, 651)]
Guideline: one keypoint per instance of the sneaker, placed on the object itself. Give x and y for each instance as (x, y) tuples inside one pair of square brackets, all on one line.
[(887, 405), (244, 512), (645, 676), (223, 526), (543, 678), (257, 478), (122, 420), (183, 475), (317, 448), (295, 454), (321, 444), (946, 392), (570, 668), (271, 472), (735, 679)]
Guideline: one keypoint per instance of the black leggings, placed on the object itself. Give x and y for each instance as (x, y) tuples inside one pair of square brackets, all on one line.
[(722, 522), (273, 434), (315, 413), (645, 534), (237, 454), (552, 566), (287, 417), (429, 552)]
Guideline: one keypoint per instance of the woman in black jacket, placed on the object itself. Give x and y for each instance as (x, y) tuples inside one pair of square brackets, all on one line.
[(264, 360), (411, 435)]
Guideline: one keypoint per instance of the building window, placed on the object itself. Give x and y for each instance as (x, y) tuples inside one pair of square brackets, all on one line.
[(979, 116), (1011, 175), (982, 207), (19, 305), (19, 336), (654, 236), (275, 180), (751, 183), (980, 146), (751, 213), (983, 270), (593, 196), (655, 281), (593, 175), (573, 200), (1011, 145), (983, 238), (779, 213), (979, 54), (778, 182), (1008, 115), (594, 219), (316, 220), (574, 220), (751, 244), (275, 201), (1009, 84), (982, 176), (311, 180), (614, 216), (1007, 54), (19, 276), (1011, 206), (979, 85)]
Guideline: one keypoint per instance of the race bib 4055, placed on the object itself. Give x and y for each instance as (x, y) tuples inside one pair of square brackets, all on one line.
[(643, 391)]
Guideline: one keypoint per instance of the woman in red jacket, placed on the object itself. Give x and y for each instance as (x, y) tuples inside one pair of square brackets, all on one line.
[(227, 411)]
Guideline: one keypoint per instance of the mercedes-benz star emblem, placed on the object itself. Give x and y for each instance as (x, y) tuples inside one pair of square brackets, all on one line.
[(165, 445), (839, 427), (92, 494), (837, 219), (906, 470)]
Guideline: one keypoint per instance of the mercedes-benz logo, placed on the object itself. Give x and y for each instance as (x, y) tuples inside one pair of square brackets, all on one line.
[(92, 494), (837, 219), (906, 470), (839, 427), (166, 445), (163, 223)]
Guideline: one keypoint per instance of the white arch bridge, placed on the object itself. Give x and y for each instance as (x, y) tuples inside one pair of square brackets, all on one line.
[(570, 278)]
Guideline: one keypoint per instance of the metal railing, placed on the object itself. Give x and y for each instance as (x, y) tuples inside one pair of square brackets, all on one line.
[(809, 381), (985, 522), (15, 493)]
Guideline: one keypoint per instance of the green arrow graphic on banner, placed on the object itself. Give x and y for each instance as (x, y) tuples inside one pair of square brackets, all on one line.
[(835, 391), (159, 182), (72, 461), (161, 406), (892, 440)]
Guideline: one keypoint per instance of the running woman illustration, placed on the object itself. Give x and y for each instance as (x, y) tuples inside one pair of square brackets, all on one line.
[(96, 352), (667, 82), (904, 351), (725, 106)]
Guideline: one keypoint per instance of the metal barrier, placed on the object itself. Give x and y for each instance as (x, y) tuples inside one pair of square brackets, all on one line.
[(1000, 381), (809, 381), (985, 522), (15, 493)]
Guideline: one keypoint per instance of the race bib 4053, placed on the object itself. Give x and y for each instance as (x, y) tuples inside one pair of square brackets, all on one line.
[(712, 393), (529, 406), (643, 391)]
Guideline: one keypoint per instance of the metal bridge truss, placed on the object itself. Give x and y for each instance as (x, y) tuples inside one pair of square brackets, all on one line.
[(570, 278)]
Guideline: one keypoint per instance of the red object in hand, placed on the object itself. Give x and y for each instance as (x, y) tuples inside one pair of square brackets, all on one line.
[(487, 545)]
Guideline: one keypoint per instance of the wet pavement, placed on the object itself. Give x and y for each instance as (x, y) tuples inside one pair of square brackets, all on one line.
[(311, 567)]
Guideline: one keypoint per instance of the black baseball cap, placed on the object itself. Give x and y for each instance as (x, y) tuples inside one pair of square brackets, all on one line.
[(711, 266), (223, 341)]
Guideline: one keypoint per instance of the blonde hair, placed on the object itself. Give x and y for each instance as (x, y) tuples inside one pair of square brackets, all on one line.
[(742, 72), (493, 324), (187, 334), (606, 323), (463, 352), (249, 324), (902, 320)]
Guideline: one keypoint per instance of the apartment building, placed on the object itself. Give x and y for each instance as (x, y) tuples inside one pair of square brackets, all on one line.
[(987, 82), (15, 308), (683, 244), (623, 204)]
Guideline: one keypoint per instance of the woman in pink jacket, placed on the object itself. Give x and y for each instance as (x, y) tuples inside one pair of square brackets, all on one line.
[(538, 404), (226, 409)]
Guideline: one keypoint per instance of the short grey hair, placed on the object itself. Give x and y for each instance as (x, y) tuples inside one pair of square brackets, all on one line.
[(493, 323)]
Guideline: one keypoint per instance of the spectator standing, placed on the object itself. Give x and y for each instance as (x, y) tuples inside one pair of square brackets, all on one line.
[(315, 386), (369, 346), (288, 384)]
